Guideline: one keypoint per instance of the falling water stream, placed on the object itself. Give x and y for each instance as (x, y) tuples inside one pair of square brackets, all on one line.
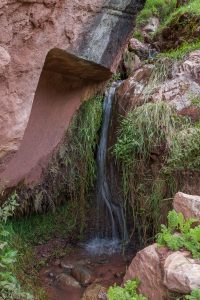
[(109, 235)]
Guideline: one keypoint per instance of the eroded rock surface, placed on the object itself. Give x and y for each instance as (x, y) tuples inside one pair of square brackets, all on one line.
[(146, 267), (181, 273), (30, 30), (96, 30), (188, 205)]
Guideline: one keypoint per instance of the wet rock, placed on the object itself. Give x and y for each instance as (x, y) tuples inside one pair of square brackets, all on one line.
[(129, 94), (139, 48), (188, 205), (181, 273), (82, 274), (95, 292), (66, 265), (51, 275), (63, 280), (146, 267)]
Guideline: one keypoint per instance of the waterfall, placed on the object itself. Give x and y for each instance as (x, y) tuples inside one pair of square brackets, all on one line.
[(110, 222)]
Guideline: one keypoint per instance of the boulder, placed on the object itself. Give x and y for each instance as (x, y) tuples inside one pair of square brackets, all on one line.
[(95, 292), (139, 48), (82, 274), (149, 29), (151, 26), (191, 65), (131, 62), (188, 205), (181, 273), (64, 280), (146, 267)]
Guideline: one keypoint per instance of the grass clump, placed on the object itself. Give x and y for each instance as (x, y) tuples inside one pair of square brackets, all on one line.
[(154, 135), (180, 52), (10, 288), (156, 8), (184, 151), (147, 129), (79, 158), (188, 238), (153, 8), (129, 292), (143, 130), (179, 34)]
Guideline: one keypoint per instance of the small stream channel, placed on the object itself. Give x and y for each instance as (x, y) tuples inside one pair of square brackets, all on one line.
[(100, 260)]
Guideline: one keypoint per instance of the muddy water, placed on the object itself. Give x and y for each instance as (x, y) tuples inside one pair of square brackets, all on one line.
[(106, 270)]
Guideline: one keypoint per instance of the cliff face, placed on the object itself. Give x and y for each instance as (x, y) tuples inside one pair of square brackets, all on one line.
[(31, 29), (96, 30)]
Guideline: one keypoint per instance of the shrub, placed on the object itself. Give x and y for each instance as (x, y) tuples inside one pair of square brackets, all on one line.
[(188, 237), (195, 295), (9, 286), (129, 292)]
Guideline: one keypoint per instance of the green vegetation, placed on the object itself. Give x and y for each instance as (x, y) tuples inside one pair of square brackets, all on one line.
[(180, 52), (184, 152), (196, 101), (153, 134), (147, 129), (153, 8), (195, 295), (180, 26), (144, 129), (79, 159), (10, 288), (129, 292), (156, 8), (188, 237), (40, 228), (72, 171), (192, 9)]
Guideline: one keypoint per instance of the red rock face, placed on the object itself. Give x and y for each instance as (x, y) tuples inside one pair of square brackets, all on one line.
[(31, 28)]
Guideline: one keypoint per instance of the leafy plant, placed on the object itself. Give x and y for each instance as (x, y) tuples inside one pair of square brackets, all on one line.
[(129, 292), (195, 295), (187, 237), (9, 286)]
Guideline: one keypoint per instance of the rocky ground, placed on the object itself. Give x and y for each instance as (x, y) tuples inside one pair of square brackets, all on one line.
[(80, 275)]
